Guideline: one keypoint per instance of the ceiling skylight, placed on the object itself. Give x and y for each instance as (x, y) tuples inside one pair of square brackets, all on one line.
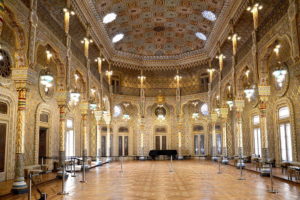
[(118, 37), (209, 15), (109, 18), (201, 36)]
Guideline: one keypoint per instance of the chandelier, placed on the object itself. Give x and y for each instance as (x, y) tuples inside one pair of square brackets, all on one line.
[(74, 97), (46, 80), (249, 92), (195, 116), (230, 104), (93, 105), (280, 75), (126, 117), (161, 117)]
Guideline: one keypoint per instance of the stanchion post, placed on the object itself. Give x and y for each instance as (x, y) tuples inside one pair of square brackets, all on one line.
[(63, 180), (272, 190), (83, 170), (171, 164), (30, 183), (121, 159), (219, 172), (73, 163), (241, 174)]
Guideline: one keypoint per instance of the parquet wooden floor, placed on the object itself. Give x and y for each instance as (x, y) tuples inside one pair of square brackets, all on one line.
[(151, 180)]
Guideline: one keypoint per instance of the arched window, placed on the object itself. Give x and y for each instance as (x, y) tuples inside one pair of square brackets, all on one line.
[(199, 148), (70, 138), (3, 108), (5, 64), (256, 135), (4, 119), (285, 134), (204, 80), (123, 141)]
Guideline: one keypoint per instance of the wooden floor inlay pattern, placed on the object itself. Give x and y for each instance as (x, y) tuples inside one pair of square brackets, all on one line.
[(152, 180)]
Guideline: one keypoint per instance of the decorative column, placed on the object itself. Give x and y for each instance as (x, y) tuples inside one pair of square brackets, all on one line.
[(33, 21), (84, 113), (214, 118), (23, 76), (62, 133), (179, 114), (107, 119), (142, 78), (19, 186), (98, 116), (224, 114), (239, 130), (264, 93), (2, 13), (293, 12)]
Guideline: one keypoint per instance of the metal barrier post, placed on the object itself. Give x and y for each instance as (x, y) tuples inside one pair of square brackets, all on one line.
[(74, 174), (272, 190), (63, 181), (83, 170), (30, 183), (219, 172), (121, 164), (241, 174), (171, 164)]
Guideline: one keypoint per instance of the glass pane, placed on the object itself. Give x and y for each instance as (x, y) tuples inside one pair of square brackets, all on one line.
[(126, 145), (2, 145), (219, 143), (284, 112), (259, 141), (196, 147), (289, 142), (283, 142), (69, 123), (120, 146), (44, 117), (164, 142), (256, 120), (255, 142), (202, 149), (157, 142), (111, 144), (103, 145), (3, 108)]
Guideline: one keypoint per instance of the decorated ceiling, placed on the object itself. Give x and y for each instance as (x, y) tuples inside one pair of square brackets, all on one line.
[(160, 27)]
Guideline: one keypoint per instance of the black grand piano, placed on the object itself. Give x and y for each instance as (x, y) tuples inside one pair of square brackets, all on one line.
[(154, 153)]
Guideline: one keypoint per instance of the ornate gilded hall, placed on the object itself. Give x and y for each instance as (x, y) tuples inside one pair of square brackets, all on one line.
[(149, 99)]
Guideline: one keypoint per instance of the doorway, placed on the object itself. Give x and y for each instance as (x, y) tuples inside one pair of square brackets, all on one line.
[(160, 142), (42, 143), (3, 129)]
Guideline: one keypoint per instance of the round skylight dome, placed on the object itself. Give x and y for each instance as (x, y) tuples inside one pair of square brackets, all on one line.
[(118, 37), (209, 15), (201, 36), (204, 109), (117, 111), (110, 17)]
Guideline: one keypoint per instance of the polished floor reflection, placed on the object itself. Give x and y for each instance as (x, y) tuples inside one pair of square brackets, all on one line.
[(152, 180)]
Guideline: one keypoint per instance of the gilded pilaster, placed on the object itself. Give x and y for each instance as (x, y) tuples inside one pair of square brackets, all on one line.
[(19, 185), (62, 132), (2, 12), (214, 118), (239, 125), (264, 92)]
